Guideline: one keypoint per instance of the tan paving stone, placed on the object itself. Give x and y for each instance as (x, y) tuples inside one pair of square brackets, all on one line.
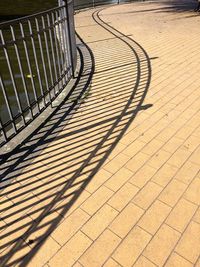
[(159, 159), (136, 162), (152, 147), (44, 252), (198, 263), (96, 200), (131, 214), (111, 263), (117, 150), (184, 132), (189, 247), (154, 217), (166, 134), (191, 143), (100, 251), (137, 240), (196, 217), (97, 180), (175, 260), (147, 195), (119, 179), (165, 239), (77, 264), (130, 137), (172, 145), (142, 176), (98, 223), (172, 192), (133, 148), (13, 257), (143, 262), (179, 157), (70, 226), (181, 215), (115, 164), (187, 172), (193, 191), (164, 175), (71, 251), (122, 197)]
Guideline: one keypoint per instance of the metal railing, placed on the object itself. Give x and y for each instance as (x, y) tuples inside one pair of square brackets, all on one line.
[(37, 60), (81, 4)]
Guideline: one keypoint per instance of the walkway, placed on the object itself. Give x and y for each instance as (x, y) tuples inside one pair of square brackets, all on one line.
[(113, 178)]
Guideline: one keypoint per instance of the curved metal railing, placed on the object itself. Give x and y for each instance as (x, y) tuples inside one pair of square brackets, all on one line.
[(37, 60)]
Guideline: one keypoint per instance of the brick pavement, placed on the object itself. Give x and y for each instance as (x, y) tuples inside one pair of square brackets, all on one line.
[(120, 183)]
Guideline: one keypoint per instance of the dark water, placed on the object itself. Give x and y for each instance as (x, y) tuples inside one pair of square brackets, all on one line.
[(12, 9)]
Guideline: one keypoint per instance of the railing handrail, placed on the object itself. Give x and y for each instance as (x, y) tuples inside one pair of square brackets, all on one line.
[(38, 58), (24, 18)]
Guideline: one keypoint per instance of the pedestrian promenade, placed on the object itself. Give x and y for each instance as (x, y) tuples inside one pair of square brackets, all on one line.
[(113, 178)]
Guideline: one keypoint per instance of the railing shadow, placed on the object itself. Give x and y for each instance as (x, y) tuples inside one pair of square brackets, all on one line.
[(47, 177)]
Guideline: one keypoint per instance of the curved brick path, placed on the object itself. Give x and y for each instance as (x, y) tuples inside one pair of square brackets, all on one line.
[(120, 183)]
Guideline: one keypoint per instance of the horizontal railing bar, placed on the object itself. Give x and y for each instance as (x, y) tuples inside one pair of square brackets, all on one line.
[(14, 21), (39, 45), (27, 36)]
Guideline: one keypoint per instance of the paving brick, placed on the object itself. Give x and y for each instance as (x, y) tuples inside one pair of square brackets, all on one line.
[(130, 215), (70, 226), (191, 143), (143, 262), (166, 134), (71, 251), (152, 147), (172, 192), (176, 260), (119, 179), (96, 200), (181, 215), (111, 263), (172, 145), (147, 195), (97, 180), (187, 172), (136, 162), (196, 217), (117, 150), (130, 137), (100, 251), (77, 264), (142, 176), (189, 247), (147, 135), (117, 163), (165, 239), (97, 224), (122, 197), (179, 157), (184, 132), (10, 257), (154, 217), (137, 240), (43, 253), (164, 175), (193, 191), (159, 159), (133, 148)]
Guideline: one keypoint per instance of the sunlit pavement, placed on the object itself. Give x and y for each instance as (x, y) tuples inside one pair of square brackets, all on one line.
[(116, 181)]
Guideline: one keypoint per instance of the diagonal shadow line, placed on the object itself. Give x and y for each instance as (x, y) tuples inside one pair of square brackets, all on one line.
[(81, 170)]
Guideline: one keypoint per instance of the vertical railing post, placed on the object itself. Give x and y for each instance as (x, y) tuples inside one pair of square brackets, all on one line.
[(70, 36)]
